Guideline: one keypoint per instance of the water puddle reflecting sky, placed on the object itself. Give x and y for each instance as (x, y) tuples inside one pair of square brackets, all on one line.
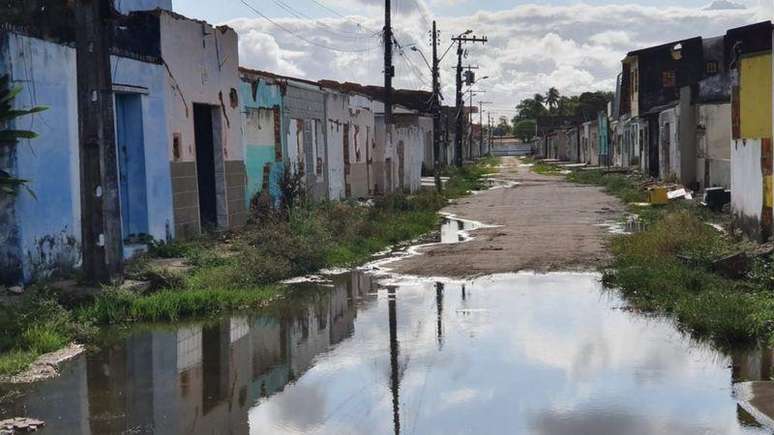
[(517, 354)]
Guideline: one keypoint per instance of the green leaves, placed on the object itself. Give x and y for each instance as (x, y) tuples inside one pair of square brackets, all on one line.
[(9, 184)]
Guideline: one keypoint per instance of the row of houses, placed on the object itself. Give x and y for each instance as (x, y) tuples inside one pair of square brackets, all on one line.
[(696, 111), (197, 137)]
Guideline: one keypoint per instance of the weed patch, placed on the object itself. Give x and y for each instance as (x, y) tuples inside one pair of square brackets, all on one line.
[(667, 268)]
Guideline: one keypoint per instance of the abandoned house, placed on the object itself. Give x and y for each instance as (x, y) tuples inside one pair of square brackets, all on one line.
[(659, 87), (44, 234), (204, 121), (263, 134), (749, 50)]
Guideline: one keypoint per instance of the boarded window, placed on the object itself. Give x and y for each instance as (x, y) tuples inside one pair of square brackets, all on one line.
[(711, 67), (669, 79)]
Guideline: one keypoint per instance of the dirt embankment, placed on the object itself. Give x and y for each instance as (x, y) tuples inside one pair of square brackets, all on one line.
[(544, 224)]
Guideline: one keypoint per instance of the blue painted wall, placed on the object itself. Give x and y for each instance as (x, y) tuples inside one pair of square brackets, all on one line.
[(46, 227), (49, 224), (151, 80), (133, 186), (257, 155)]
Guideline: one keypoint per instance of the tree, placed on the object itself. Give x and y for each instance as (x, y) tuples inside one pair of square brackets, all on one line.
[(552, 99), (525, 129), (9, 184), (503, 128)]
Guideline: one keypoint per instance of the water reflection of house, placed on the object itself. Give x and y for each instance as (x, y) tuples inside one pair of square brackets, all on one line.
[(198, 379)]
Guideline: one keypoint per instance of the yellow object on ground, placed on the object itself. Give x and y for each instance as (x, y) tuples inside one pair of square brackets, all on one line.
[(658, 195)]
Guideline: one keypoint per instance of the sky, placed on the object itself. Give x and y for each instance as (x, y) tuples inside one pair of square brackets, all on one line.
[(573, 46)]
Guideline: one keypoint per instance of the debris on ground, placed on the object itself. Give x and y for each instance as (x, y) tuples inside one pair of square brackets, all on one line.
[(20, 425), (715, 198), (16, 290)]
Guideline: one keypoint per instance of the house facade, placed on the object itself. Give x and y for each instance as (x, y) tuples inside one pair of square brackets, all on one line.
[(750, 49)]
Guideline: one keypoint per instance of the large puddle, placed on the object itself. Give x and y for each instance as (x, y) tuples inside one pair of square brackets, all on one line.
[(515, 354)]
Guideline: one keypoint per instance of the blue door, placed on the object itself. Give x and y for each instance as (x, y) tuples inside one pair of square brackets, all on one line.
[(131, 164)]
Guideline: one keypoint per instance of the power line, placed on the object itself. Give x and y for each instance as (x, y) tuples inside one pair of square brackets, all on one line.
[(301, 37), (340, 15), (301, 15)]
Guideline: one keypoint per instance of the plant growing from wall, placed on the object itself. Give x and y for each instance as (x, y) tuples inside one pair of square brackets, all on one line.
[(9, 184)]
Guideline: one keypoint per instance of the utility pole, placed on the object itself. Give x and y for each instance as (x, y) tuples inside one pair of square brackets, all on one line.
[(100, 207), (436, 110), (389, 70), (481, 124), (461, 39)]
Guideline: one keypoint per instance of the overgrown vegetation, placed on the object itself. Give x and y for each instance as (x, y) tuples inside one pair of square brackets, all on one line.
[(669, 268), (236, 271)]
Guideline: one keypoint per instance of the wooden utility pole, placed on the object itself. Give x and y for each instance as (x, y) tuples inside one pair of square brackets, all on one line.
[(460, 103), (436, 110), (481, 124), (101, 238), (389, 70)]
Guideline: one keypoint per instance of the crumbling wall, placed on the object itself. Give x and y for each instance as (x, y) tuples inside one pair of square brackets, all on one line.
[(202, 64), (363, 154), (263, 139)]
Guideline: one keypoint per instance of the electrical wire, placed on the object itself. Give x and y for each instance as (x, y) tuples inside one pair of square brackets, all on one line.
[(301, 37), (322, 25)]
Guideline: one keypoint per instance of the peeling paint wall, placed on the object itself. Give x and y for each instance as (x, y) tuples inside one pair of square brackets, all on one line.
[(362, 147), (746, 184), (202, 64), (47, 228), (410, 132), (264, 142), (304, 115), (337, 125)]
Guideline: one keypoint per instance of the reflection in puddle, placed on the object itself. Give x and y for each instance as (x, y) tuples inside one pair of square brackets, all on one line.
[(532, 354)]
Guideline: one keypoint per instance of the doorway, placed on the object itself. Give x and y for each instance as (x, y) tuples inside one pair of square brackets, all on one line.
[(653, 147), (133, 188), (205, 166)]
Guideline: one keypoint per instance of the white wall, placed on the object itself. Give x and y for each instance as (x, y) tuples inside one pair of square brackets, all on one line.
[(713, 142), (204, 65), (362, 143), (746, 179), (337, 115), (669, 151)]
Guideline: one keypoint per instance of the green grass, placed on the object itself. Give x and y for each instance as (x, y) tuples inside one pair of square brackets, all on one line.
[(238, 271), (667, 269)]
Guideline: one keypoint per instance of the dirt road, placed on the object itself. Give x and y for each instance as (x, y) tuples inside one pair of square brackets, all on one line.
[(545, 224)]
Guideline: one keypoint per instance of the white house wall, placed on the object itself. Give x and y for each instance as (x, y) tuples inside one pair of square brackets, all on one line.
[(713, 139), (362, 143), (337, 114), (746, 177), (202, 63)]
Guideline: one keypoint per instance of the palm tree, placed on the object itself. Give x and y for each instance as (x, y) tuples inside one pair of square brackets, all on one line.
[(10, 185), (539, 99), (552, 99)]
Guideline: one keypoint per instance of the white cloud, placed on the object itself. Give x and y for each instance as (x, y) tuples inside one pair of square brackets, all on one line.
[(531, 48)]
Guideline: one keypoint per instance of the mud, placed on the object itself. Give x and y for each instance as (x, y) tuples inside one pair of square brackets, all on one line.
[(543, 224)]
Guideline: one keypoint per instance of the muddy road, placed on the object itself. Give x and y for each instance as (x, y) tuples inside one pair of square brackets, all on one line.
[(544, 224)]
